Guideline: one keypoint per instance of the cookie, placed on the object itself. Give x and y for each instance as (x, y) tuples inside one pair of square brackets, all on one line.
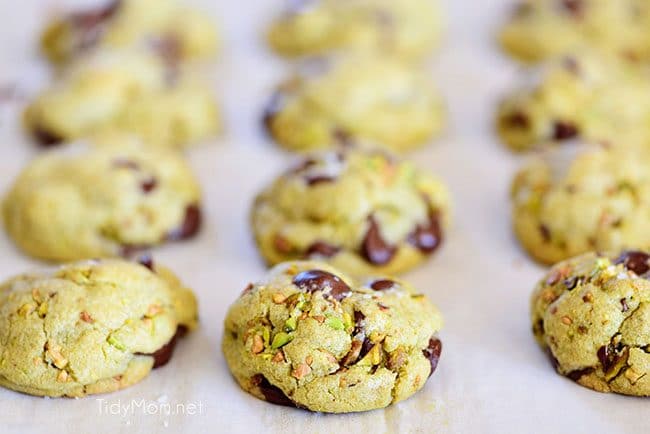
[(410, 29), (586, 95), (310, 337), (539, 29), (165, 27), (348, 100), (364, 212), (90, 327), (579, 198), (105, 200), (592, 315), (128, 91)]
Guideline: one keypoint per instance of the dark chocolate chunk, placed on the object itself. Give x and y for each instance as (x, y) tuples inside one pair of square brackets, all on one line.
[(518, 120), (273, 107), (163, 355), (272, 394), (579, 373), (322, 249), (574, 7), (634, 260), (610, 356), (545, 232), (147, 261), (319, 179), (624, 306), (432, 352), (564, 130), (46, 138), (373, 248), (190, 225), (89, 25), (319, 280), (427, 237), (149, 185), (382, 285)]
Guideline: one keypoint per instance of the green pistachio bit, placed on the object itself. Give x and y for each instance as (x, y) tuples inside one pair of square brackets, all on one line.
[(266, 356), (280, 340), (347, 321), (291, 324), (115, 343), (266, 335), (335, 323)]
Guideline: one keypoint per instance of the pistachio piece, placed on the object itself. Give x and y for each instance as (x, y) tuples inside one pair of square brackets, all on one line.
[(280, 340), (291, 324), (115, 343), (335, 323), (347, 321)]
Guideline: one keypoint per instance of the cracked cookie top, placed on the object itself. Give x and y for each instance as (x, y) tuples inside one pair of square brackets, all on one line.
[(362, 211), (164, 27), (81, 202), (580, 95), (354, 99), (577, 198), (408, 28), (311, 337), (125, 91), (592, 313), (538, 29), (90, 327)]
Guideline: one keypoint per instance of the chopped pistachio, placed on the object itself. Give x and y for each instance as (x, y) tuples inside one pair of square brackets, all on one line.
[(115, 343), (279, 298), (280, 340), (335, 323), (42, 310), (266, 356), (26, 309), (347, 321), (62, 377), (291, 324)]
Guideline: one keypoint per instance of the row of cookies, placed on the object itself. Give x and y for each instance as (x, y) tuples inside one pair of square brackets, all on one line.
[(123, 89), (582, 202)]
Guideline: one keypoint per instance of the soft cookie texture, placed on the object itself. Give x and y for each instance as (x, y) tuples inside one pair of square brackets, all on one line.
[(406, 28), (90, 327), (83, 202), (350, 99), (592, 314), (310, 337), (578, 198), (364, 212), (126, 90), (539, 29), (586, 95), (164, 27)]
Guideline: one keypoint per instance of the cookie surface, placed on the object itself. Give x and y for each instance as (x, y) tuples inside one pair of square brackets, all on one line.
[(310, 337), (164, 27), (85, 202), (592, 314), (407, 28), (127, 91), (354, 99), (579, 198), (539, 29), (586, 95), (90, 327), (363, 211)]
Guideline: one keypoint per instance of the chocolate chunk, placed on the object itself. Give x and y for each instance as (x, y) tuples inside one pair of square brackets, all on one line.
[(353, 355), (609, 356), (545, 232), (169, 49), (319, 179), (89, 25), (573, 282), (128, 250), (554, 361), (46, 138), (382, 285), (272, 394), (624, 306), (579, 373), (574, 7), (147, 261), (358, 317), (163, 355), (518, 120), (149, 185), (427, 237), (366, 346), (432, 352), (319, 280), (634, 260), (123, 163), (273, 107), (373, 248), (322, 249), (564, 131), (190, 225)]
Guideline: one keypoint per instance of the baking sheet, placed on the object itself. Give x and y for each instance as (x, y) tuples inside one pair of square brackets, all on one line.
[(491, 377)]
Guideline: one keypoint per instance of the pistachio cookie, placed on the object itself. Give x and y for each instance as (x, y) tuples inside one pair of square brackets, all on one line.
[(406, 28), (310, 337), (364, 212), (165, 27), (78, 202), (595, 97), (351, 99), (539, 29), (90, 327), (579, 198), (130, 91), (592, 314)]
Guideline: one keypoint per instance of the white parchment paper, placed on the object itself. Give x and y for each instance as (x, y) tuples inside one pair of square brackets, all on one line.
[(491, 377)]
